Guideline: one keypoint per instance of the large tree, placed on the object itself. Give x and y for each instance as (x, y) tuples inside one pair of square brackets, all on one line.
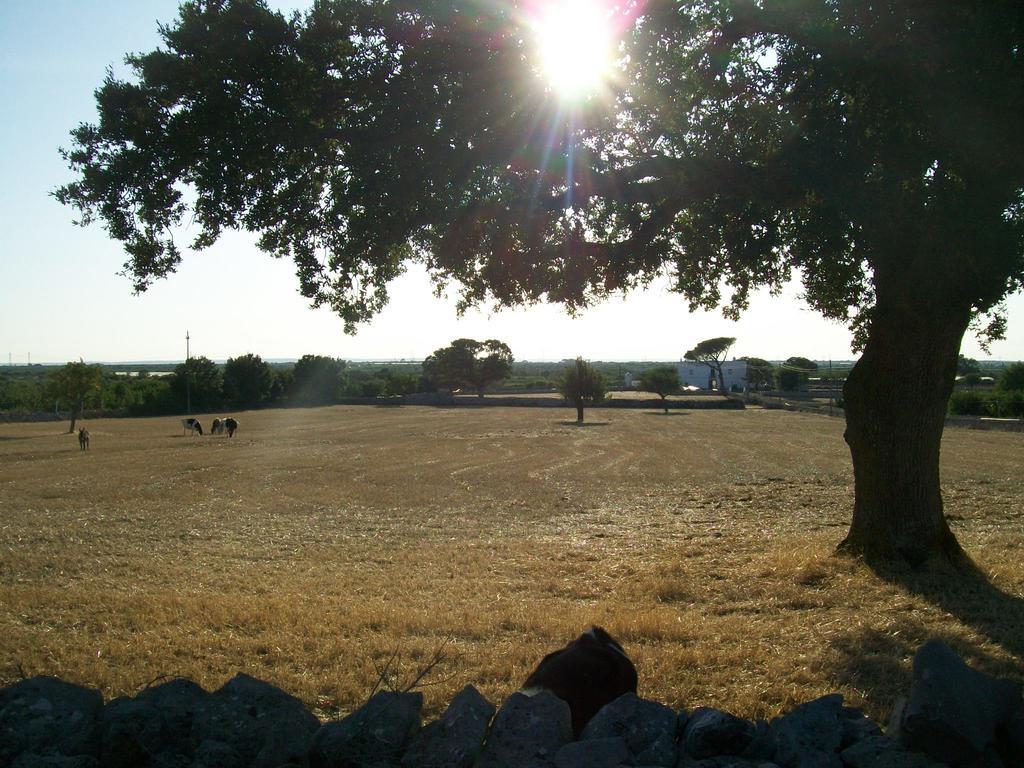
[(469, 363), (73, 384), (712, 353), (248, 381), (871, 148), (198, 384)]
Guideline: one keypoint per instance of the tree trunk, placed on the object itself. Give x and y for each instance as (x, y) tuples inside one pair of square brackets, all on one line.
[(579, 411), (895, 400)]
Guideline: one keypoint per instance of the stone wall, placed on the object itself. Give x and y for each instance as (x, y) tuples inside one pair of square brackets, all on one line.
[(953, 716)]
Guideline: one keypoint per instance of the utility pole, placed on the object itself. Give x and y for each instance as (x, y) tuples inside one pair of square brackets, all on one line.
[(188, 389)]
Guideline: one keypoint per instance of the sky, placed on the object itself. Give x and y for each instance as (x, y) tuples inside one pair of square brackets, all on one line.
[(61, 297)]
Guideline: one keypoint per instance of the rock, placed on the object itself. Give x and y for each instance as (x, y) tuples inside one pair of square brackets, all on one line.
[(649, 729), (177, 701), (32, 760), (810, 735), (527, 732), (883, 752), (264, 725), (455, 740), (1010, 740), (856, 727), (953, 711), (711, 732), (594, 753), (131, 732), (374, 736), (47, 716), (213, 753), (723, 761)]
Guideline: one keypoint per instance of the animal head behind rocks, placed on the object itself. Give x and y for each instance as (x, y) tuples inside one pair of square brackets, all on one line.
[(588, 673)]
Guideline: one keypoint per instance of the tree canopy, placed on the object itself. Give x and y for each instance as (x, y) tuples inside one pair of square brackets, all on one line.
[(582, 385), (73, 384), (871, 149), (198, 383), (794, 373), (248, 381), (712, 353), (662, 380), (469, 363)]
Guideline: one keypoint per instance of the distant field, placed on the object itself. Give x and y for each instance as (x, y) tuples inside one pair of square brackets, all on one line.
[(319, 543)]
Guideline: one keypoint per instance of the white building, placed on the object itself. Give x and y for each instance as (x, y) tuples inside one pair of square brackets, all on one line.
[(694, 374)]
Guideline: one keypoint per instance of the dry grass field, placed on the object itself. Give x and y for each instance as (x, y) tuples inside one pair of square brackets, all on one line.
[(318, 545)]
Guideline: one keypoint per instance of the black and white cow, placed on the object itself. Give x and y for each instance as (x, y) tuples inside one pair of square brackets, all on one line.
[(219, 425), (192, 425), (588, 673)]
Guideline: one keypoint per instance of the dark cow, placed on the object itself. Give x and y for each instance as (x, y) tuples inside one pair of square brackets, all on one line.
[(219, 425), (193, 425), (83, 439), (588, 673)]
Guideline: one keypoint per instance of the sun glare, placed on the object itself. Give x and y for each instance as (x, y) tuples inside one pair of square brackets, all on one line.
[(574, 39)]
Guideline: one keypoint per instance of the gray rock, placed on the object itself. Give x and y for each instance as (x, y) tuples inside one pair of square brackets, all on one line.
[(527, 732), (46, 716), (213, 753), (455, 740), (810, 735), (711, 732), (374, 736), (610, 752), (856, 726), (648, 729), (177, 701), (763, 745), (953, 711), (32, 760), (1010, 740), (264, 725), (131, 732), (882, 752)]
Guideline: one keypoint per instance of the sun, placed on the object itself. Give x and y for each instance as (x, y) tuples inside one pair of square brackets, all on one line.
[(574, 40)]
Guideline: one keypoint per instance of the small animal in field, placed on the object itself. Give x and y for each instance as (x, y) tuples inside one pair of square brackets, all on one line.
[(591, 671), (83, 439), (231, 426), (192, 425)]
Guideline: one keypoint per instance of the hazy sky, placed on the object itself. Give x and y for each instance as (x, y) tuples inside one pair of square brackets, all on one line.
[(62, 298)]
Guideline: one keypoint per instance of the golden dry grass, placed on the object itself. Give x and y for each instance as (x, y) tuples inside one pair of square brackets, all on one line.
[(317, 544)]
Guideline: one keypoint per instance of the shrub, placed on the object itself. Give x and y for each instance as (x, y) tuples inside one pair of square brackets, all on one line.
[(968, 403)]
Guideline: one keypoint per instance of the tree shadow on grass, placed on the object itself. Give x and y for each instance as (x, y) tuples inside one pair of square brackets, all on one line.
[(971, 598), (662, 413), (585, 424)]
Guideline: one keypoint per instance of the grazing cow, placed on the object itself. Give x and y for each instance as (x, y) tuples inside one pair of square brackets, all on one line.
[(218, 427), (193, 425), (588, 673), (83, 439), (231, 425)]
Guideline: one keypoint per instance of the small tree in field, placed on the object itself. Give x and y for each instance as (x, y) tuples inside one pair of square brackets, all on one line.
[(663, 380), (712, 353), (74, 383), (582, 385)]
